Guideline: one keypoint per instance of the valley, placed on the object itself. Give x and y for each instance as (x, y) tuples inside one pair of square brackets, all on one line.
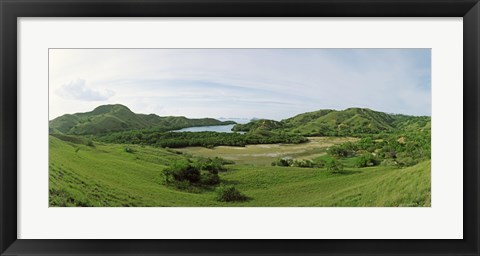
[(112, 157), (265, 154), (107, 176)]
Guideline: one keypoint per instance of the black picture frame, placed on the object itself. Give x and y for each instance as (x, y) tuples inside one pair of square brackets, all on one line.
[(10, 10)]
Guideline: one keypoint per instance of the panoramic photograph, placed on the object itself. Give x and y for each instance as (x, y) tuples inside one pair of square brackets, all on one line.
[(240, 127)]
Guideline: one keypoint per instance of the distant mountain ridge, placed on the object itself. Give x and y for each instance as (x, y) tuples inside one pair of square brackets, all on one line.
[(117, 117), (325, 122), (348, 122)]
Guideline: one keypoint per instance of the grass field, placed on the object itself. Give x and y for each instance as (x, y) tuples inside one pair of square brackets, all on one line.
[(108, 175)]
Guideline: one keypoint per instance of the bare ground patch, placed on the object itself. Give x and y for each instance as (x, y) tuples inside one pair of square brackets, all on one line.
[(264, 154)]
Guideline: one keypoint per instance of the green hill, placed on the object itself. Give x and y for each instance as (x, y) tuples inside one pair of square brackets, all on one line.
[(349, 122), (113, 118), (256, 125)]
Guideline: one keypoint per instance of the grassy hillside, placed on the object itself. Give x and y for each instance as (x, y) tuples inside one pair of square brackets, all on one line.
[(96, 174), (374, 186), (259, 124), (112, 118), (349, 122)]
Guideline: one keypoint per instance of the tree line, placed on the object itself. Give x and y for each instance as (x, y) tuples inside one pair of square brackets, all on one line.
[(202, 139)]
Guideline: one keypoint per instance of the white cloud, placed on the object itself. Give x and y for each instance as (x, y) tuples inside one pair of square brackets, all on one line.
[(78, 90)]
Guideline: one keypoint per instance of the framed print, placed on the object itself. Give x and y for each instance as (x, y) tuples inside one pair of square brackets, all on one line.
[(269, 127)]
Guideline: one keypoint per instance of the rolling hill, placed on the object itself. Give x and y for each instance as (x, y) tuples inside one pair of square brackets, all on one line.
[(106, 175), (349, 122), (112, 157), (114, 118), (258, 124)]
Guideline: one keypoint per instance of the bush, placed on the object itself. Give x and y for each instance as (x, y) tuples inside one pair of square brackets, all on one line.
[(183, 185), (213, 165), (187, 175), (406, 161), (230, 194), (191, 174), (209, 178), (365, 160), (283, 162), (182, 171), (302, 163), (334, 166), (90, 143), (343, 150), (319, 163), (389, 162)]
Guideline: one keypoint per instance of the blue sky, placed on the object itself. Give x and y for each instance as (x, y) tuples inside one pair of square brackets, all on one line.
[(240, 83)]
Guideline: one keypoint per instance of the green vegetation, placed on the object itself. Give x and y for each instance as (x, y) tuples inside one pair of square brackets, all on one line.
[(106, 175), (198, 173), (111, 118), (230, 194), (260, 124), (404, 149), (334, 166), (350, 122), (384, 161), (192, 139), (304, 163)]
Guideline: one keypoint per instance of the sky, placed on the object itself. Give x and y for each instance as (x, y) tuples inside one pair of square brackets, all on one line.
[(240, 83)]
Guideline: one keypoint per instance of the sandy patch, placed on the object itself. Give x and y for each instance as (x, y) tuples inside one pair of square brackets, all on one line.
[(265, 146), (228, 147)]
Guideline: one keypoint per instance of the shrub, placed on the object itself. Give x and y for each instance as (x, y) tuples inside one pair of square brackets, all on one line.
[(187, 175), (389, 162), (230, 194), (406, 161), (283, 162), (182, 171), (90, 143), (302, 163), (343, 150), (319, 163), (213, 165), (190, 174), (334, 166), (183, 185), (365, 160), (209, 178)]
